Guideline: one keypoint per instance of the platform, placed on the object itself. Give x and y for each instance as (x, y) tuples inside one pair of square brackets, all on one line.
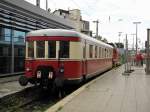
[(112, 92), (10, 85)]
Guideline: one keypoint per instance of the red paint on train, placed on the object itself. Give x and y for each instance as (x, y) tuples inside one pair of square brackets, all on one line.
[(56, 38), (72, 69)]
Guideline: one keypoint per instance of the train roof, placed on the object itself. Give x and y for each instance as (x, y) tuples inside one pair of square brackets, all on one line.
[(113, 45), (65, 33), (53, 32)]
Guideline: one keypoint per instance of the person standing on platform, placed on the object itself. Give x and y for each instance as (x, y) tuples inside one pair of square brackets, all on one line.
[(139, 59)]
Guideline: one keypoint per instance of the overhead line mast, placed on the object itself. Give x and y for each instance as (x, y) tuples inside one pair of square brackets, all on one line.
[(97, 22)]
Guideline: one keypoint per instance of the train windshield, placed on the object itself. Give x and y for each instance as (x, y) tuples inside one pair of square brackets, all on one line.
[(40, 49), (64, 49), (31, 49), (52, 49), (47, 49)]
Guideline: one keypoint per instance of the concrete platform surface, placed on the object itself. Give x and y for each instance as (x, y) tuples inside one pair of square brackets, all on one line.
[(9, 85), (114, 92), (9, 79)]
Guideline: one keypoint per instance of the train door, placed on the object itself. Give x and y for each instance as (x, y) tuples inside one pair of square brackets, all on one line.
[(84, 61)]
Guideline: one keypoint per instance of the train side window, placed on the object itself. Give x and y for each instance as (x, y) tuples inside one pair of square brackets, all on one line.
[(105, 52), (99, 52), (40, 49), (84, 51), (51, 49), (31, 49), (95, 51), (64, 49), (91, 51), (108, 53)]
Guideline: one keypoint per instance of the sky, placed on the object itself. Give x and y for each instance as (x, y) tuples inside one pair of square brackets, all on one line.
[(114, 16)]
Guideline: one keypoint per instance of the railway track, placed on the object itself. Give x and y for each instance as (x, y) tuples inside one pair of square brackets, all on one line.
[(29, 100), (13, 102)]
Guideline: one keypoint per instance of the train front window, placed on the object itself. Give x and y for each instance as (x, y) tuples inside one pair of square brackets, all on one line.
[(52, 49), (64, 49), (31, 49), (40, 49)]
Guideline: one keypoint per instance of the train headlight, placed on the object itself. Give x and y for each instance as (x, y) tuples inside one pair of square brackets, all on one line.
[(28, 69), (38, 74), (50, 75), (61, 70)]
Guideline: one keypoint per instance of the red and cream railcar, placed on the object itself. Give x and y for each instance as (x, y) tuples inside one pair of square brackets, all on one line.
[(53, 53), (116, 55)]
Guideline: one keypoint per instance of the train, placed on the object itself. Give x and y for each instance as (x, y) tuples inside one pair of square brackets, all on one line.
[(64, 57), (116, 55)]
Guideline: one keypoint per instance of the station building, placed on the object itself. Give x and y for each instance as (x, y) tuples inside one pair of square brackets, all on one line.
[(17, 17), (75, 16)]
